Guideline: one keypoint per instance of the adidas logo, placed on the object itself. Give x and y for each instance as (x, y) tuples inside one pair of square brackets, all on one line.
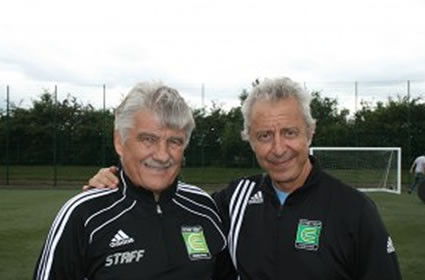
[(390, 246), (119, 239), (257, 198)]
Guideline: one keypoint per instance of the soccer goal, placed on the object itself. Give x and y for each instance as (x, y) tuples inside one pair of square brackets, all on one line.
[(365, 168)]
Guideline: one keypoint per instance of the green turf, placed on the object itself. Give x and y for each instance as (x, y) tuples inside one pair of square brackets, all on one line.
[(404, 216), (72, 176), (47, 175), (26, 215)]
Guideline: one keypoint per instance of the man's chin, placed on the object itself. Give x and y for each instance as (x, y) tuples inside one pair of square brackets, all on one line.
[(156, 183), (280, 176), (157, 188), (160, 180), (278, 170)]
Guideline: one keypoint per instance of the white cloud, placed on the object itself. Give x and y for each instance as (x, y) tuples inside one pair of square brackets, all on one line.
[(221, 44)]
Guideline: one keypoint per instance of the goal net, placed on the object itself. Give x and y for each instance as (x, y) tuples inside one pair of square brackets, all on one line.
[(365, 168)]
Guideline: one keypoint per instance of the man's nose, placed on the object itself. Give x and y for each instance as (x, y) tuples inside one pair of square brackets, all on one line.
[(161, 151), (279, 145)]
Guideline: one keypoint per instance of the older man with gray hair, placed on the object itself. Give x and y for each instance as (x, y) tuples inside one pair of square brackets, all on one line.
[(152, 226), (296, 221)]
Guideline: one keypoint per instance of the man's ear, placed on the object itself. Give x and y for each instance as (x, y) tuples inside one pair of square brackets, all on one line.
[(118, 143)]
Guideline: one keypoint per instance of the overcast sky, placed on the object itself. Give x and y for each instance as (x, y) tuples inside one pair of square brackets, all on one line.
[(223, 44)]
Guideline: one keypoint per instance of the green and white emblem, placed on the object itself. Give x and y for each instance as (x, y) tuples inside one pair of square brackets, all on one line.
[(196, 244), (308, 234)]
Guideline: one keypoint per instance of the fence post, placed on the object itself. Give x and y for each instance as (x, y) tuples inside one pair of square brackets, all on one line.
[(409, 136), (55, 128), (356, 95), (104, 128), (7, 135), (202, 96)]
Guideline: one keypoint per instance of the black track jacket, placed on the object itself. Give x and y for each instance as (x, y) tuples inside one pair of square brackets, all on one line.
[(125, 234), (325, 230)]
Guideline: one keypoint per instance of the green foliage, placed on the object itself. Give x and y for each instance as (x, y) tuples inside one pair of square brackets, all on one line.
[(70, 133), (51, 132), (385, 124), (216, 140), (237, 153), (332, 126), (396, 123)]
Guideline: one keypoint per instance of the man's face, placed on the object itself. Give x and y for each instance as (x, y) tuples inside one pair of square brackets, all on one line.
[(152, 155), (279, 138)]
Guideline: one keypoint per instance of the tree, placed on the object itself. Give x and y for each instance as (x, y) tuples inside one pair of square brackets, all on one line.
[(236, 151), (332, 125), (64, 132), (205, 147), (69, 132), (395, 123)]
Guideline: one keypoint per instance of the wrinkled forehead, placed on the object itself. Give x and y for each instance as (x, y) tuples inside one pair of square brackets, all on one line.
[(270, 110), (160, 119), (271, 116)]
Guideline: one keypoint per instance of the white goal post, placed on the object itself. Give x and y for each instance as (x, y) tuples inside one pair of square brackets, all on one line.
[(365, 168)]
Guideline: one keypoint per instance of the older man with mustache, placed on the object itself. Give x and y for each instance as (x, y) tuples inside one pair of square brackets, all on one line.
[(152, 226)]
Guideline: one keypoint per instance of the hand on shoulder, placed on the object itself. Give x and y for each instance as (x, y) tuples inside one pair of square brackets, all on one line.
[(105, 178)]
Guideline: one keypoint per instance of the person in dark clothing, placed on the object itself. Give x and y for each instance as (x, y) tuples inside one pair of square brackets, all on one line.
[(152, 226), (295, 221)]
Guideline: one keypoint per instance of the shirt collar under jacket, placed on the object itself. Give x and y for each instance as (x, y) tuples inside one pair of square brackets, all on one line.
[(144, 195), (309, 184)]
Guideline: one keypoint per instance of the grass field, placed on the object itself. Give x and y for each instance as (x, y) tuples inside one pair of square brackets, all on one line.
[(72, 176), (26, 215)]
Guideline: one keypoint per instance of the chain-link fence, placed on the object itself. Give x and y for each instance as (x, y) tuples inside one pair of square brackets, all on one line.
[(68, 134), (352, 94)]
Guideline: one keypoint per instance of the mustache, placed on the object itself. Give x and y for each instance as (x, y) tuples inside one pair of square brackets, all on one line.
[(158, 164)]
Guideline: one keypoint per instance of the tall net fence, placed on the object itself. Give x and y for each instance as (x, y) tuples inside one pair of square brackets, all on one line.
[(352, 95), (56, 134)]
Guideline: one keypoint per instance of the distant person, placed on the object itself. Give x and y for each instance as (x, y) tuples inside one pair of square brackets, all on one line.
[(295, 221), (150, 227), (418, 169)]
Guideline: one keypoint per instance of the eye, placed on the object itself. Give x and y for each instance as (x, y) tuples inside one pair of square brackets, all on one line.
[(264, 136), (291, 133), (176, 141), (147, 139)]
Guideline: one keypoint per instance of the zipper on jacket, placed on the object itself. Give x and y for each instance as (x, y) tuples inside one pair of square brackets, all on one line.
[(280, 210), (158, 209), (162, 234)]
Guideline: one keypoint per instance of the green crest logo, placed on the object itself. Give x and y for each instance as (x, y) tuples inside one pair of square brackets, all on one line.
[(196, 244), (308, 234)]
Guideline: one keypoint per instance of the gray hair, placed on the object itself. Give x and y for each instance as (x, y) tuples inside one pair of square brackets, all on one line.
[(275, 90), (170, 108)]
